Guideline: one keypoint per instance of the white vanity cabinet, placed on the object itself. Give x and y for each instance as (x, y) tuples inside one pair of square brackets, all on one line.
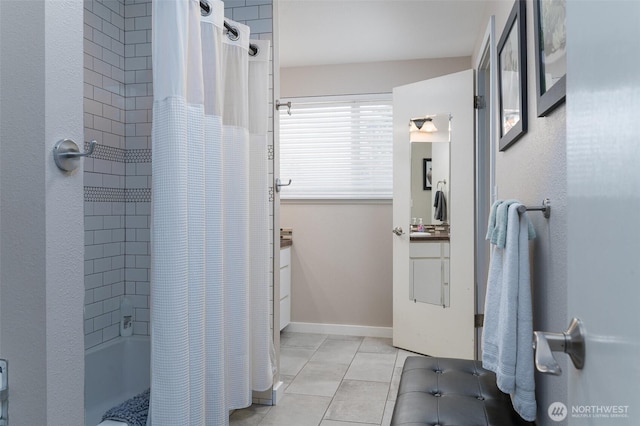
[(285, 286), (429, 272)]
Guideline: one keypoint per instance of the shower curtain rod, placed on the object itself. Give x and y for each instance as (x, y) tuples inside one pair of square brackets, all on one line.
[(206, 9)]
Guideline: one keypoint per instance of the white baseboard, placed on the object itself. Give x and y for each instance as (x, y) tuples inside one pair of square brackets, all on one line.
[(277, 392), (339, 329)]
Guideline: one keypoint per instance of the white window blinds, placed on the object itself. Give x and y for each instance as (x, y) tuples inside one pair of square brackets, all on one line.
[(337, 148)]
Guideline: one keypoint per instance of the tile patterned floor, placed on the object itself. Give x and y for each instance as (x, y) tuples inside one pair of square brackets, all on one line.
[(332, 381)]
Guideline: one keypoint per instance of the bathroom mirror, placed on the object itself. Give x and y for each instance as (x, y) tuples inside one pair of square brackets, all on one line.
[(430, 138)]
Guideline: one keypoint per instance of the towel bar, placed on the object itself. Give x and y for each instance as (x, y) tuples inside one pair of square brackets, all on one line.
[(545, 208)]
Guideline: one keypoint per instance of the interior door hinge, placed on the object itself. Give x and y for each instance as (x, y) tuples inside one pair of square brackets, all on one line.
[(478, 102), (478, 320)]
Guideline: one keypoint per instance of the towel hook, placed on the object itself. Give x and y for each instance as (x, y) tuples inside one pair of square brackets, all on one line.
[(67, 155), (279, 184), (281, 104)]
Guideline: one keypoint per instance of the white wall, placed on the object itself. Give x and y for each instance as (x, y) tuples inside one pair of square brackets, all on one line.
[(41, 269), (105, 194), (342, 252), (532, 169)]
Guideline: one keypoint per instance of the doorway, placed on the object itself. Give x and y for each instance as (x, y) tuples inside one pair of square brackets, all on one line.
[(484, 168)]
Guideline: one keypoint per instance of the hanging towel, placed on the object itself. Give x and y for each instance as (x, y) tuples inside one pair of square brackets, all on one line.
[(491, 226), (440, 204), (499, 236), (508, 328)]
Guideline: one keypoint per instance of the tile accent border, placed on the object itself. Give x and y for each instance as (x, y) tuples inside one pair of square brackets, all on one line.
[(138, 156), (137, 195), (105, 152), (116, 195), (104, 195)]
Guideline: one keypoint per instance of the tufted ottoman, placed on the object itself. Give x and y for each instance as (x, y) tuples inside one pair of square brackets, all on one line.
[(447, 391)]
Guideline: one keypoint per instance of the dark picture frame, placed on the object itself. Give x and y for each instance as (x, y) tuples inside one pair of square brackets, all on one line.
[(551, 53), (512, 77), (427, 178)]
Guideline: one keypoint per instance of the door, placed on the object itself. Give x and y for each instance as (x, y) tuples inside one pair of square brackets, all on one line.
[(604, 187), (422, 327), (485, 159)]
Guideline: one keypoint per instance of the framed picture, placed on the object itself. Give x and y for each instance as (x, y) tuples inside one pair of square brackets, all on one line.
[(426, 174), (512, 77), (551, 53)]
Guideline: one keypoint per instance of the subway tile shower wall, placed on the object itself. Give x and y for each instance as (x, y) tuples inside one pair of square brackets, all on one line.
[(118, 99)]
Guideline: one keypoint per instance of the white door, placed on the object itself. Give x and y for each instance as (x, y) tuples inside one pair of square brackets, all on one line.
[(422, 327), (603, 105)]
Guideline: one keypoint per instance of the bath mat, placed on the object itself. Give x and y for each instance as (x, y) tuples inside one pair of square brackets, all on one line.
[(133, 411)]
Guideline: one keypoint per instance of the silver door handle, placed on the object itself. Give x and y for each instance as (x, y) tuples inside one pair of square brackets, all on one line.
[(4, 392), (279, 184), (570, 342), (397, 230)]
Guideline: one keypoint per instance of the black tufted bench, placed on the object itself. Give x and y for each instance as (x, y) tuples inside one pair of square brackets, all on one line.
[(447, 391)]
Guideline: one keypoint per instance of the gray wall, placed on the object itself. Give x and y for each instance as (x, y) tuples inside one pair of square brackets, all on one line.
[(532, 169), (40, 221), (342, 252)]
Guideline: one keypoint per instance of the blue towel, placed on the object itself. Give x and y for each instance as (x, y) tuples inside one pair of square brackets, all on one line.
[(508, 327), (497, 226), (133, 411), (491, 226), (499, 236)]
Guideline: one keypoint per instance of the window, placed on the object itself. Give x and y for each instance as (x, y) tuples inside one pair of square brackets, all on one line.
[(337, 148)]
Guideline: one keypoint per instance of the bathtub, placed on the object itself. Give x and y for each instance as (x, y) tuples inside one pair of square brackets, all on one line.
[(114, 372)]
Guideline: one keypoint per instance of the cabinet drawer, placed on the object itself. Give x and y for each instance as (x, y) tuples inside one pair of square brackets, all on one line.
[(285, 312), (426, 280), (285, 281), (425, 249), (285, 257)]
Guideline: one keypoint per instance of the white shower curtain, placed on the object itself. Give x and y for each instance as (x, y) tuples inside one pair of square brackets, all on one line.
[(259, 212), (210, 330)]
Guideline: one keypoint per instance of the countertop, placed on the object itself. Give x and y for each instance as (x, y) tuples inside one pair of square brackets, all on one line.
[(285, 243), (430, 238)]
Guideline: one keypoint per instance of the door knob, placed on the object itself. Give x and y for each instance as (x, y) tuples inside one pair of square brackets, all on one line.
[(570, 342), (397, 230)]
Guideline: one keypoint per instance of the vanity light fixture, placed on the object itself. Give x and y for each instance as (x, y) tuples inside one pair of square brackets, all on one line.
[(422, 125)]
